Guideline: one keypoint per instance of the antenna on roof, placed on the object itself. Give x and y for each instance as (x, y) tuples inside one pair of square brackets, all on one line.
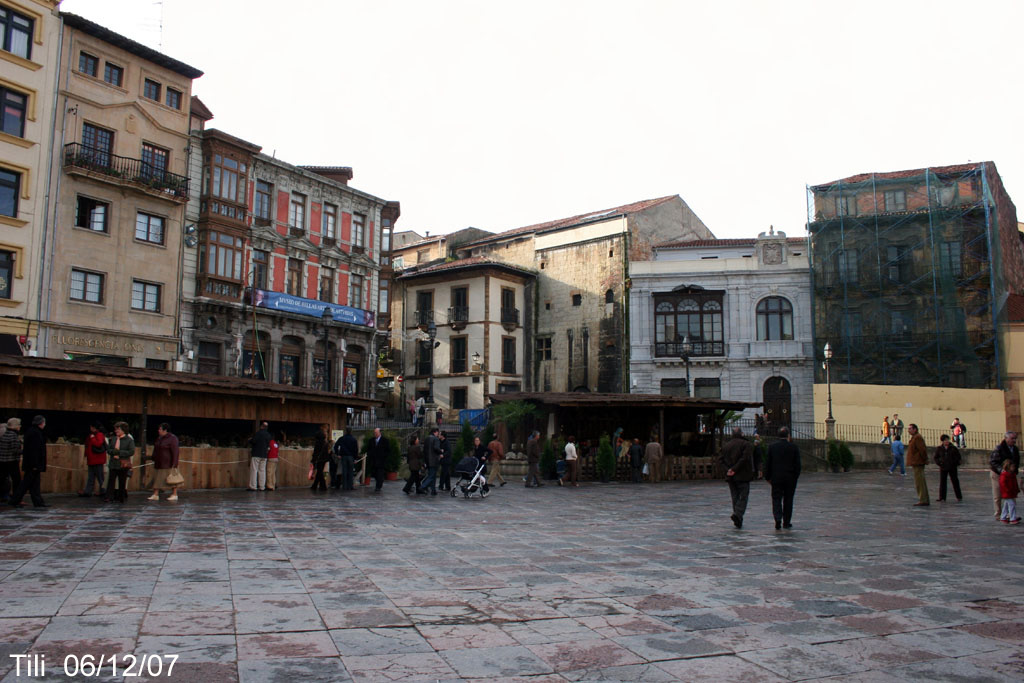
[(160, 42)]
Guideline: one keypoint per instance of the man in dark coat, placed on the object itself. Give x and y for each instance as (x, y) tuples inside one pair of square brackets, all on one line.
[(10, 459), (377, 458), (260, 442), (636, 461), (533, 460), (738, 458), (33, 464), (346, 449), (445, 467), (432, 456), (947, 457), (781, 470)]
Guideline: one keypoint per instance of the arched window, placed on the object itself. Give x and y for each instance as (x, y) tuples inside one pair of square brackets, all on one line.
[(696, 315), (774, 319), (609, 297), (665, 323)]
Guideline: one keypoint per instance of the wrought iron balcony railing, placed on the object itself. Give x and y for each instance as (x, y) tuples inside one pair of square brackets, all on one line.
[(422, 318), (458, 314), (126, 169), (699, 348), (509, 316)]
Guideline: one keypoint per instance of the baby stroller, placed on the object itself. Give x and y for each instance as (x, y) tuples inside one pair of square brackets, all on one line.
[(472, 479)]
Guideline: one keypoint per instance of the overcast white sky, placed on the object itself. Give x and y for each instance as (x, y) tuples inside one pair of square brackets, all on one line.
[(501, 114)]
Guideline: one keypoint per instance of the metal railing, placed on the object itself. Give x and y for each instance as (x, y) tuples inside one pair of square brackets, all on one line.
[(509, 316), (422, 317), (458, 314), (135, 171), (698, 348)]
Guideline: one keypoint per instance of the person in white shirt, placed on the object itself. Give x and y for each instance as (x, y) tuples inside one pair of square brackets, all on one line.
[(571, 470)]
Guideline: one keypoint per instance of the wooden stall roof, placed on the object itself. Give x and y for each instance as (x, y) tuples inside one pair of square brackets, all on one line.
[(594, 400), (23, 368)]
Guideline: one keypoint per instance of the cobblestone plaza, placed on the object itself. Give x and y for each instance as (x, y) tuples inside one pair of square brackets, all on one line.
[(603, 582)]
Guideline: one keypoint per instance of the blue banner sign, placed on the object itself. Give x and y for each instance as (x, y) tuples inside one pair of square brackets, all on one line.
[(311, 307)]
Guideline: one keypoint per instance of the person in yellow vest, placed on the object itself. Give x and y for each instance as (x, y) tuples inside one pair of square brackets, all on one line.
[(886, 431)]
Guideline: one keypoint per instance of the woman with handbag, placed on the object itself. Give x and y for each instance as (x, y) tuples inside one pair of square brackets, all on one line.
[(321, 455), (120, 448), (165, 463)]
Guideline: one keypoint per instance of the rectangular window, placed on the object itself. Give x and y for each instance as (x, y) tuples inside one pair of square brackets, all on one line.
[(17, 33), (358, 230), (577, 299), (422, 256), (849, 272), (382, 298), (151, 90), (113, 74), (508, 354), (86, 286), (458, 354), (13, 105), (950, 259), (424, 307), (707, 387), (149, 228), (330, 221), (297, 211), (222, 255), (675, 387), (424, 358), (896, 200), (99, 143), (6, 274), (898, 262), (263, 194), (459, 312), (458, 399), (543, 348), (209, 358), (87, 64), (227, 179), (145, 296), (173, 98), (10, 185), (156, 364), (154, 161), (91, 214), (294, 284), (327, 284), (355, 288), (260, 269), (846, 205)]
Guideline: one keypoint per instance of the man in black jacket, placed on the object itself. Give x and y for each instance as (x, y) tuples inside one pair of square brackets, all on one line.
[(432, 456), (260, 442), (947, 457), (33, 464), (346, 449), (781, 470), (377, 458), (738, 458)]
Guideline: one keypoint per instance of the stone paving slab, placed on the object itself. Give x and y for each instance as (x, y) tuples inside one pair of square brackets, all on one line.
[(613, 582)]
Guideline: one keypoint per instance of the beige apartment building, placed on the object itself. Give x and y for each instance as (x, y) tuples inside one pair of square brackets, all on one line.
[(120, 182), (28, 69)]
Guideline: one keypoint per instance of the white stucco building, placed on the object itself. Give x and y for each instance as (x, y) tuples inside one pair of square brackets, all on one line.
[(744, 306)]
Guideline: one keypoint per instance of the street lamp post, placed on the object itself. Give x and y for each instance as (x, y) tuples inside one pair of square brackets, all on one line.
[(687, 349), (431, 411), (830, 423), (325, 318)]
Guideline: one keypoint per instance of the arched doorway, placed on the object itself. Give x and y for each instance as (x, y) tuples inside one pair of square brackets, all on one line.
[(777, 397)]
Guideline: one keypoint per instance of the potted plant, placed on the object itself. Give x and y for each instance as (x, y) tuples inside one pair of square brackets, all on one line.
[(548, 468), (394, 456), (605, 462), (832, 458), (845, 456)]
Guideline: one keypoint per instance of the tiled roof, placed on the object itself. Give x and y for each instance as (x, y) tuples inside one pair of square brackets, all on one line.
[(896, 175), (580, 219), (1015, 308), (129, 45), (197, 108), (739, 242), (466, 263)]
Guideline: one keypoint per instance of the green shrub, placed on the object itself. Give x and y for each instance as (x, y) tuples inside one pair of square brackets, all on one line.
[(395, 455), (605, 463), (488, 435), (464, 444), (547, 461), (845, 456), (832, 454)]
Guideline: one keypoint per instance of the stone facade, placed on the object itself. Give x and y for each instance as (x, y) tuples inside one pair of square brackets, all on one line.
[(737, 353), (583, 266), (28, 74)]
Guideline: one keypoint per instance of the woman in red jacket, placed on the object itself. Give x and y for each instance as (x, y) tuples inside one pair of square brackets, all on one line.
[(95, 459)]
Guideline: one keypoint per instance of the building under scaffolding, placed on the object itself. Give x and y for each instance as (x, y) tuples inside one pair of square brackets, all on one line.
[(910, 272)]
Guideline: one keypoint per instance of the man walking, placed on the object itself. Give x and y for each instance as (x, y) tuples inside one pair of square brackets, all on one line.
[(738, 457), (258, 462), (10, 459), (636, 461), (1006, 450), (432, 456), (917, 458), (533, 460), (947, 457), (781, 470), (377, 458), (497, 455), (445, 467), (652, 456), (898, 451), (346, 449), (33, 464)]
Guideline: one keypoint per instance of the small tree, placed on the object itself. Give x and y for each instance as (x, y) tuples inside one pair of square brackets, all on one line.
[(605, 459), (832, 457), (464, 445), (548, 460), (513, 414), (488, 435), (394, 461), (845, 456)]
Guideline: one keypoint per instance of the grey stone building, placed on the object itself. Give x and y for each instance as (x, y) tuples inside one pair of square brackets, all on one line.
[(740, 309)]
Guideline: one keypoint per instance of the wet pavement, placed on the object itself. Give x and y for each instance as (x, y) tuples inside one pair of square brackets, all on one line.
[(602, 582)]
